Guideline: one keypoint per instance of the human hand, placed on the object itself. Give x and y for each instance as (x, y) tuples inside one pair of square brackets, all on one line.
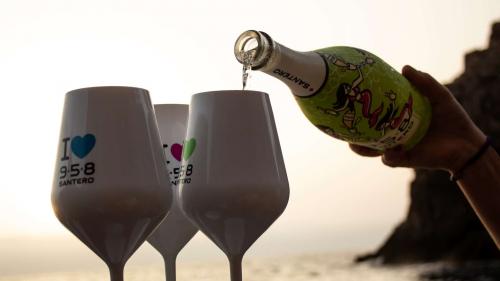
[(452, 137)]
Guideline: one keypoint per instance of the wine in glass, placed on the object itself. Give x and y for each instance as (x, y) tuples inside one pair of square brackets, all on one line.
[(237, 185), (110, 188), (176, 229)]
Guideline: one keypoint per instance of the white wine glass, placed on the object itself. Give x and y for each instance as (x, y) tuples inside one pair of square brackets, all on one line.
[(176, 229), (234, 185), (110, 188)]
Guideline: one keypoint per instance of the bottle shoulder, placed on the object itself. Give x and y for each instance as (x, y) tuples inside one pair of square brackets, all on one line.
[(339, 50)]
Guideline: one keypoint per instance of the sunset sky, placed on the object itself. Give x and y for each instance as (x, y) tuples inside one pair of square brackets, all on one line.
[(339, 201)]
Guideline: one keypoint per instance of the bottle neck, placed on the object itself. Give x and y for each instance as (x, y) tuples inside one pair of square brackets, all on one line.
[(303, 72)]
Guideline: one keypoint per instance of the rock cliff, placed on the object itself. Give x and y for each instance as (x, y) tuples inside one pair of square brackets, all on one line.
[(440, 225)]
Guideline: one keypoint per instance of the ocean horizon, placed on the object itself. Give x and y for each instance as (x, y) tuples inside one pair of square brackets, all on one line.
[(324, 266)]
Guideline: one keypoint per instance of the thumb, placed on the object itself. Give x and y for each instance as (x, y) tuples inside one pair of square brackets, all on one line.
[(427, 85), (397, 157)]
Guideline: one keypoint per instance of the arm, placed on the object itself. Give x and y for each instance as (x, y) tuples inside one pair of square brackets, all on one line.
[(328, 111), (359, 79), (346, 103), (340, 63), (452, 139), (481, 185)]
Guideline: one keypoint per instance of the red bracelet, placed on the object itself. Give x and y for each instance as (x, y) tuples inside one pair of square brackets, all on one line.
[(458, 175)]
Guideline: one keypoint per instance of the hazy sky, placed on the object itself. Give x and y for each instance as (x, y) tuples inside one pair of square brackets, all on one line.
[(339, 201)]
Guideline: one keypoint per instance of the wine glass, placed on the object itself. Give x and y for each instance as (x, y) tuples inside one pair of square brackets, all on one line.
[(110, 188), (234, 184), (176, 229)]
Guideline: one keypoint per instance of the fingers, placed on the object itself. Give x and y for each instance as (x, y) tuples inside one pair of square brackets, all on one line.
[(397, 158), (426, 84), (364, 151)]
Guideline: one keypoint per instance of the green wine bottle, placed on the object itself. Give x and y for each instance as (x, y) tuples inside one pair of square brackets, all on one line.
[(346, 92)]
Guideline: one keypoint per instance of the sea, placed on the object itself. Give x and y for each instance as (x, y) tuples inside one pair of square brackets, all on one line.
[(310, 267)]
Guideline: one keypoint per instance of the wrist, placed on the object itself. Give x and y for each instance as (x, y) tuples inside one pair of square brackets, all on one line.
[(464, 150), (459, 173)]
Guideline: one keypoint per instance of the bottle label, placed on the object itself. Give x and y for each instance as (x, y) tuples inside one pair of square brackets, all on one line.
[(366, 102)]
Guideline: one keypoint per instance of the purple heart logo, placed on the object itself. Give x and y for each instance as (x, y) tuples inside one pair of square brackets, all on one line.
[(176, 151)]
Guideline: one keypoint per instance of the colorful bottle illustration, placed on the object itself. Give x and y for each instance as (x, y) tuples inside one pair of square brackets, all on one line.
[(346, 92)]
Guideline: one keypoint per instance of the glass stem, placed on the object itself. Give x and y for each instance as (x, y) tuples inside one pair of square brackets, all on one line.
[(169, 261), (116, 272), (235, 267)]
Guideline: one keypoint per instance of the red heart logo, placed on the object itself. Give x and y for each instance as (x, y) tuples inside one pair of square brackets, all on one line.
[(176, 151)]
